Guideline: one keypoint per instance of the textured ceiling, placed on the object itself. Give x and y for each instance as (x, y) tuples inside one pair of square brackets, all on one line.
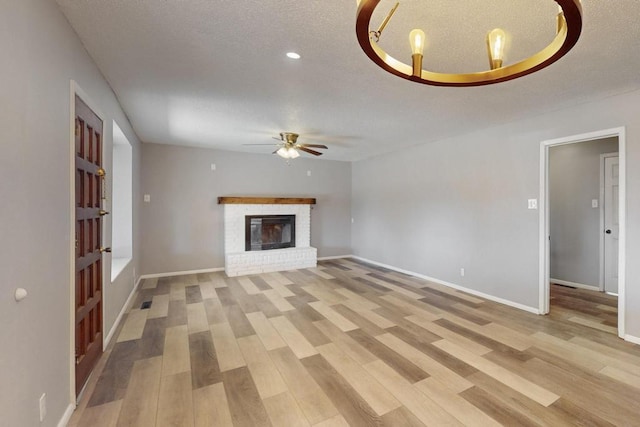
[(214, 72)]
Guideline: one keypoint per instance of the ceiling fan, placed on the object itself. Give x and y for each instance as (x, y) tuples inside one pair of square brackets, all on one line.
[(289, 146)]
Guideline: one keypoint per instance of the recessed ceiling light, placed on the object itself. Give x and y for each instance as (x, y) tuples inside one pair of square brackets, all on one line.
[(293, 55)]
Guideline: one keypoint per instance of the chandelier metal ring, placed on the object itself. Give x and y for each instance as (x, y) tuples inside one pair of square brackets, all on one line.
[(569, 27)]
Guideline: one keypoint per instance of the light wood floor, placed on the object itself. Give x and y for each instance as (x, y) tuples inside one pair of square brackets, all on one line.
[(589, 308), (353, 344)]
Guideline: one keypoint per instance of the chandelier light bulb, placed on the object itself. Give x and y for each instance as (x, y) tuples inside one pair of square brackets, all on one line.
[(417, 39), (496, 40)]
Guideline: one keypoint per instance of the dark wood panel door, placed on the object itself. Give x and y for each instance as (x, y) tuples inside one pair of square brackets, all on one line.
[(89, 176)]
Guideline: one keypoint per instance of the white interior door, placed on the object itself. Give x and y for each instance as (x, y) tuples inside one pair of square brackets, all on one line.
[(611, 218)]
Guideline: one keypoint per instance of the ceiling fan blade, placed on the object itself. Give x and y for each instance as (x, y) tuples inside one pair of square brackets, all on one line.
[(315, 146), (262, 144), (276, 151), (276, 138), (310, 151)]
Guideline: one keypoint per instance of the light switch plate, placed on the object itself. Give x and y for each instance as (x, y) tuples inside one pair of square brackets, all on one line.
[(532, 204), (594, 203), (147, 198)]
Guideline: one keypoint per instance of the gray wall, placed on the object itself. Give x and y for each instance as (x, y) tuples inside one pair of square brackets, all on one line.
[(42, 54), (462, 202), (182, 226), (574, 181)]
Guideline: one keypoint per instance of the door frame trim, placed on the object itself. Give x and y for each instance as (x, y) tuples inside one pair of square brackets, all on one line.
[(543, 228), (74, 90), (602, 249)]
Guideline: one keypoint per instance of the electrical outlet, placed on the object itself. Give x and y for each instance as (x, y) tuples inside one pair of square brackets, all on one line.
[(594, 203), (462, 272), (147, 198), (308, 173), (43, 406), (213, 166)]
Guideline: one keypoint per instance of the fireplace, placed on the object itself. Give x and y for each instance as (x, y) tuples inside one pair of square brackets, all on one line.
[(264, 232), (268, 252)]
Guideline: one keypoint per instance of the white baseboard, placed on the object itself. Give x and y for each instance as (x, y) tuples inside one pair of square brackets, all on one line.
[(66, 416), (180, 273), (632, 339), (124, 309), (574, 284), (454, 286), (327, 258)]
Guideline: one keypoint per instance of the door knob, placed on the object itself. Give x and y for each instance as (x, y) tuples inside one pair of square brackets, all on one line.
[(608, 231), (102, 212), (105, 250)]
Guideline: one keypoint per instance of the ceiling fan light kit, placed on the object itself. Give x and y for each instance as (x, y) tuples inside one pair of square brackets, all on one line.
[(568, 29)]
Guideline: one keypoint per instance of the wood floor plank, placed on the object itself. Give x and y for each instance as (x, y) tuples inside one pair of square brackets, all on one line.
[(526, 387), (310, 397), (270, 338), (401, 417), (177, 313), (197, 318), (358, 301), (460, 340), (323, 294), (421, 312), (337, 421), (351, 406), (379, 399), (303, 320), (340, 321), (283, 410), (214, 310), (193, 294), (369, 314), (621, 375), (347, 344), (238, 321), (176, 357), (133, 325), (263, 371), (278, 300), (105, 415), (159, 306), (454, 404), (417, 403), (175, 401), (204, 361), (403, 366), (140, 403), (207, 290), (210, 407), (454, 381), (245, 405), (294, 339), (177, 292), (151, 283), (510, 398), (249, 287), (227, 350)]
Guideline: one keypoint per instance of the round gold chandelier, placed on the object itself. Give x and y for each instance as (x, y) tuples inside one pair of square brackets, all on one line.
[(568, 28)]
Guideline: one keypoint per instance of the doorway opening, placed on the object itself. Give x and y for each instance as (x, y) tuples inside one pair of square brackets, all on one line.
[(581, 246)]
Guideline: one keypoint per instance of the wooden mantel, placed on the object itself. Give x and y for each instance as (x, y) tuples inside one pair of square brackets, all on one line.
[(266, 201)]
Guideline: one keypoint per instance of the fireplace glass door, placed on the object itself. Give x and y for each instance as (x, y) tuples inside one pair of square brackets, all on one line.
[(264, 232)]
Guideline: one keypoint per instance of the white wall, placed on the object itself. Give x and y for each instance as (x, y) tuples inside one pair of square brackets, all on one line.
[(462, 202), (574, 181), (183, 223), (41, 54)]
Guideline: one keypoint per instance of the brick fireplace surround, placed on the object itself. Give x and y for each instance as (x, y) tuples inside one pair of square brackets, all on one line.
[(239, 262)]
